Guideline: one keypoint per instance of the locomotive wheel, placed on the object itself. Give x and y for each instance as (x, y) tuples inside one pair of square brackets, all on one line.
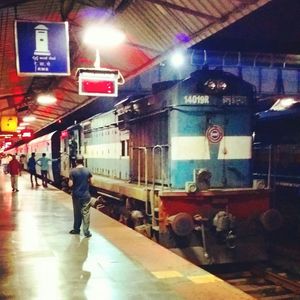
[(182, 224)]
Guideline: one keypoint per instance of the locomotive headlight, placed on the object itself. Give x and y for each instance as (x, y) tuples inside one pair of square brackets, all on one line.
[(215, 85), (221, 85), (211, 84)]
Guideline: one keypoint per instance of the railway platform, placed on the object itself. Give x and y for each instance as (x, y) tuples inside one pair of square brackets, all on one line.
[(41, 260)]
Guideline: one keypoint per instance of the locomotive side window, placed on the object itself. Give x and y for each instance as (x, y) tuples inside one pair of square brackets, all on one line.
[(124, 148)]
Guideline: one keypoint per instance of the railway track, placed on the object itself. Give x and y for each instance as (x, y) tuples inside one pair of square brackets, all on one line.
[(265, 283)]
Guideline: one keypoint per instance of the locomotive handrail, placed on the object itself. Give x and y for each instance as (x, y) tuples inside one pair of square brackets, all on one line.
[(139, 166), (153, 165), (162, 173), (146, 174), (162, 170)]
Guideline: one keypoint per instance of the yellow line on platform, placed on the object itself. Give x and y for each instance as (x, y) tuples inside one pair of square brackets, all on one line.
[(167, 274), (204, 278)]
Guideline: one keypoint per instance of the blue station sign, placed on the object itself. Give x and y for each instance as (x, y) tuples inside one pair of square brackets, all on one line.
[(42, 48)]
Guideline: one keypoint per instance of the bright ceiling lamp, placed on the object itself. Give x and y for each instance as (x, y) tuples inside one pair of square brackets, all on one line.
[(177, 59), (104, 36), (46, 99), (101, 37), (23, 124), (6, 135), (284, 103), (29, 118)]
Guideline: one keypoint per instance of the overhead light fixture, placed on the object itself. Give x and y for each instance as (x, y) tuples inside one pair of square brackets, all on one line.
[(104, 36), (26, 134), (177, 59), (284, 103), (6, 135), (29, 118), (46, 99), (23, 124)]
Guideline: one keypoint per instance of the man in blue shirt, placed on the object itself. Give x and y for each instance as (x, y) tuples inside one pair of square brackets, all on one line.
[(43, 162), (79, 180)]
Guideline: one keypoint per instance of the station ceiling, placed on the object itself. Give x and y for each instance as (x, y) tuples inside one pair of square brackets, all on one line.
[(153, 29), (274, 28)]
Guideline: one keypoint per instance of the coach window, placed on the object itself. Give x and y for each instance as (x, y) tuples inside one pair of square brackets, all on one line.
[(87, 130), (65, 143)]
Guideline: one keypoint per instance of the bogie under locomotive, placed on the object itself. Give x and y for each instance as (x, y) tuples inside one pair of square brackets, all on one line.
[(177, 166)]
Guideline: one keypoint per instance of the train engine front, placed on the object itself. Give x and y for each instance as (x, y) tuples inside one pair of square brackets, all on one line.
[(190, 150), (176, 165)]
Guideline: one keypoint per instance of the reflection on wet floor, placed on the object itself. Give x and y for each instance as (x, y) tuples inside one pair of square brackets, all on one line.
[(39, 259)]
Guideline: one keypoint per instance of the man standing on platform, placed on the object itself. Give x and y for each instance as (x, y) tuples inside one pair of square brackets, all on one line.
[(43, 162), (79, 180), (14, 168), (32, 170)]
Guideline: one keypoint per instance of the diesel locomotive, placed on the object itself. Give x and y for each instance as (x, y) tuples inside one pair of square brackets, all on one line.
[(176, 165)]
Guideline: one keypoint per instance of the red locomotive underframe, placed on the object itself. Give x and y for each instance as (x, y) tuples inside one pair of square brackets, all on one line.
[(242, 203)]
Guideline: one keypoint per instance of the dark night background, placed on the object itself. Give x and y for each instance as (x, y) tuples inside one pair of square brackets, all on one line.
[(274, 28)]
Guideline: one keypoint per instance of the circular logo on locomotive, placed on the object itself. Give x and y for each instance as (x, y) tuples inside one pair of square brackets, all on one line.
[(214, 134)]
